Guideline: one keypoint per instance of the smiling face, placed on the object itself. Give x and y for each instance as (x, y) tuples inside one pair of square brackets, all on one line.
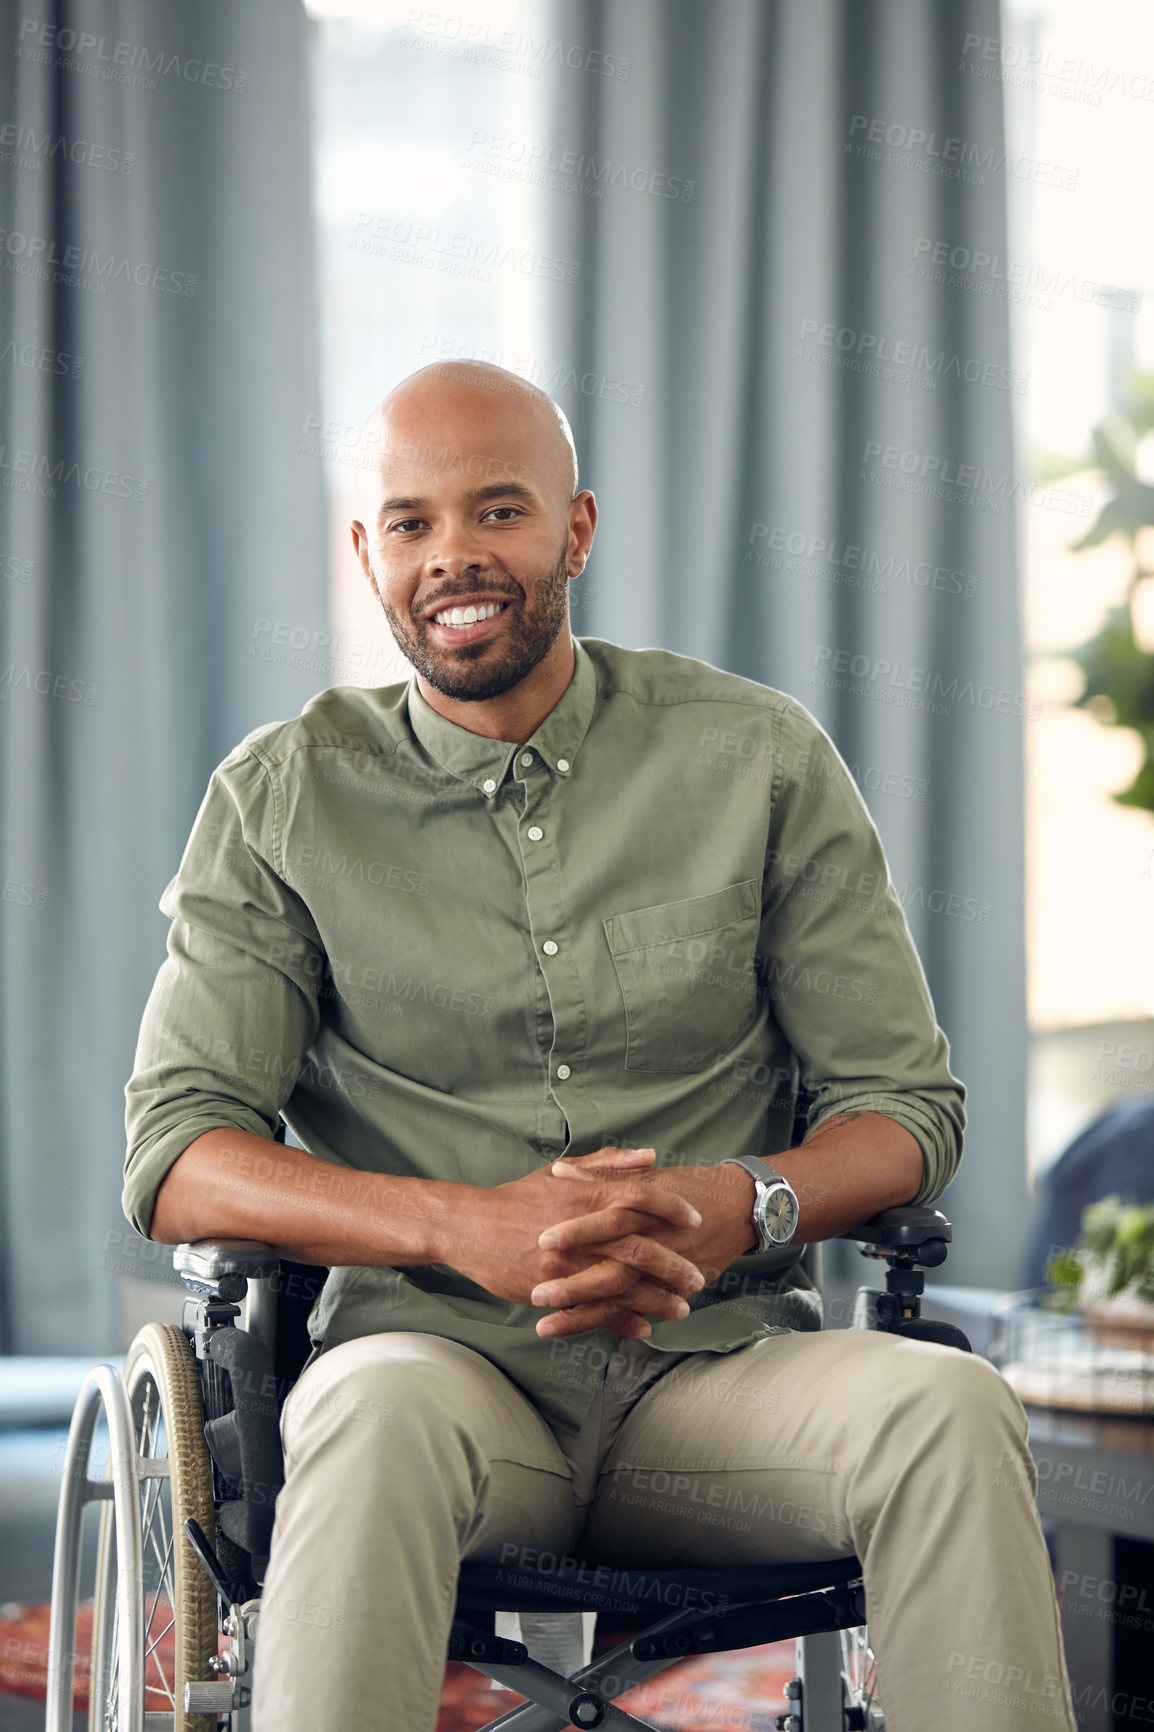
[(470, 541), (486, 628)]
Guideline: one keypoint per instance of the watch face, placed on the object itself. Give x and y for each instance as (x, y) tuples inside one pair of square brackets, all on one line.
[(780, 1214)]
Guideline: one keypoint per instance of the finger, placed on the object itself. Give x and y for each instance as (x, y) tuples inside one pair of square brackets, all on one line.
[(636, 1251), (610, 1280), (614, 1156), (607, 1160), (582, 1318), (645, 1199), (605, 1279), (614, 1221)]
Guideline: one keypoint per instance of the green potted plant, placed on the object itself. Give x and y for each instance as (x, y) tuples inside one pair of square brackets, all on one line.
[(1119, 674), (1108, 1275)]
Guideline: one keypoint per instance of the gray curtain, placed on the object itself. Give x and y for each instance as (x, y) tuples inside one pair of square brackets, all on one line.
[(766, 484), (160, 529)]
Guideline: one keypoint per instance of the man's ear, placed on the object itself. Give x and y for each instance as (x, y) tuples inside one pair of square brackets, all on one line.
[(361, 549), (582, 524)]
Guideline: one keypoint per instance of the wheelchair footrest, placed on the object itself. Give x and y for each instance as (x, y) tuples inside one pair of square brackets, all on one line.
[(468, 1644)]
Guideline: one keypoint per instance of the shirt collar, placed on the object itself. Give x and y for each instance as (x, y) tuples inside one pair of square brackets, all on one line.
[(474, 758)]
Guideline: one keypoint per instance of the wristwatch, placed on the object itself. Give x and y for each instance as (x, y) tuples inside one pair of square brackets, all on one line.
[(775, 1206)]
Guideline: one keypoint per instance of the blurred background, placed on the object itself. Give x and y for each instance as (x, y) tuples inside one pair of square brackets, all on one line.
[(848, 304)]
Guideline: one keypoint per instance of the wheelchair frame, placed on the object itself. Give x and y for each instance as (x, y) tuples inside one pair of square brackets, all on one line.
[(222, 1469)]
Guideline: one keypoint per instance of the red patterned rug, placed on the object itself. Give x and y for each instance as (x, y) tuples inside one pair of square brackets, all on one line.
[(740, 1692)]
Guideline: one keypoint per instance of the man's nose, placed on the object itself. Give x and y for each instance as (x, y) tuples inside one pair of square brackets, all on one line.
[(457, 550)]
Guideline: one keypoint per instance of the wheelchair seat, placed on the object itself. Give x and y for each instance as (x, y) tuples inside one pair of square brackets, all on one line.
[(625, 1593)]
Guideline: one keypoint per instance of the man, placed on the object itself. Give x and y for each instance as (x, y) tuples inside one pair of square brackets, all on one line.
[(522, 961)]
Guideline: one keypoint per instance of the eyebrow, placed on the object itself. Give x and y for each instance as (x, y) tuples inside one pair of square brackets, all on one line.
[(494, 490)]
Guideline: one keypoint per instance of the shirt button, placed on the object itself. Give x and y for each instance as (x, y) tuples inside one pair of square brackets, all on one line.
[(549, 947), (563, 1072), (526, 758), (563, 765), (489, 785), (535, 832)]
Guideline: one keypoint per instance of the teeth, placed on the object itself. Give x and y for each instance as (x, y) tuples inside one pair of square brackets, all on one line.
[(468, 615)]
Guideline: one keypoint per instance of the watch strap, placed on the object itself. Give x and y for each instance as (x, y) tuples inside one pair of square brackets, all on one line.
[(760, 1172), (756, 1167)]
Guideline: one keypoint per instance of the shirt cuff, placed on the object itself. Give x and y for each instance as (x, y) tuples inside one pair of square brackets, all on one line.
[(936, 1131), (148, 1168)]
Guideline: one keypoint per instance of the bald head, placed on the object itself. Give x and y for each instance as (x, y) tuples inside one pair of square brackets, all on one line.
[(474, 416)]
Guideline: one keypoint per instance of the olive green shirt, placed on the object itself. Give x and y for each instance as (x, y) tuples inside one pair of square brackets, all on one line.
[(452, 957)]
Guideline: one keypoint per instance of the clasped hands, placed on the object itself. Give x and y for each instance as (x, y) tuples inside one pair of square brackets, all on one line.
[(606, 1243)]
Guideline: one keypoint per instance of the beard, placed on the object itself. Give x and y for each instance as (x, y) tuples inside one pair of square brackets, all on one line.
[(528, 637)]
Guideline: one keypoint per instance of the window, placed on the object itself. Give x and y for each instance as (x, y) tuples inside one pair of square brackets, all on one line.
[(429, 233), (1079, 89)]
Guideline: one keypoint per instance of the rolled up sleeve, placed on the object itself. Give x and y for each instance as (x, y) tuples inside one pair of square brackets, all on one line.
[(839, 965), (233, 1010)]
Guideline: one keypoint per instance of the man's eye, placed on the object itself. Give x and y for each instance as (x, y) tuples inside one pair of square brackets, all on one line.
[(511, 509), (408, 523)]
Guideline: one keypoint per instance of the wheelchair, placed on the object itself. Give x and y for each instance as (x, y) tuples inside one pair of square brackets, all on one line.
[(186, 1497)]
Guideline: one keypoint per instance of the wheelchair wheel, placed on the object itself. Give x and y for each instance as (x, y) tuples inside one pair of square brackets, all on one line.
[(178, 1603), (860, 1672)]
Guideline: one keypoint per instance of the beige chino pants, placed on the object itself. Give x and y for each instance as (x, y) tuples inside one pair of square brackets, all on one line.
[(406, 1453)]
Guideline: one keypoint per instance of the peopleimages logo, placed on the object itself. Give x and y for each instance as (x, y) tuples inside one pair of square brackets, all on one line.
[(37, 472), (480, 40), (1069, 76), (405, 242), (24, 147), (576, 165), (956, 158), (40, 256), (122, 62), (41, 360), (907, 361), (867, 567), (940, 477), (910, 687), (971, 267)]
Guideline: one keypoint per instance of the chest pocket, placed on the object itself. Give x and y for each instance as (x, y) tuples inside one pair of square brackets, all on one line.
[(686, 973)]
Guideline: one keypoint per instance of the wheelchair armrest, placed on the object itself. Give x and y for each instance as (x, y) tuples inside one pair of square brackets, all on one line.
[(210, 1259), (915, 1228), (218, 1272)]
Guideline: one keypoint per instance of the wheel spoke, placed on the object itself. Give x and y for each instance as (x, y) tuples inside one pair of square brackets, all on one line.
[(163, 1559), (150, 1498), (145, 1441), (164, 1688), (156, 1531), (152, 1647), (860, 1668), (161, 1634), (155, 1603), (157, 1537)]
